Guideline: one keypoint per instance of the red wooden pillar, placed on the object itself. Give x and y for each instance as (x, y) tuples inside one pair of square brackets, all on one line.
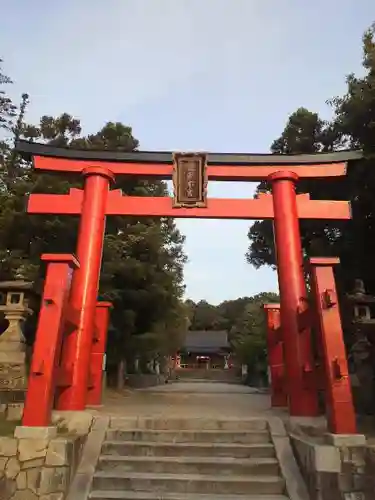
[(77, 348), (94, 394), (279, 396), (302, 396), (44, 371), (338, 393)]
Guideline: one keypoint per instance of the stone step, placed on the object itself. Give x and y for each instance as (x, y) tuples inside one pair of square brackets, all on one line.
[(146, 495), (160, 449), (251, 424), (188, 483), (189, 436), (190, 465)]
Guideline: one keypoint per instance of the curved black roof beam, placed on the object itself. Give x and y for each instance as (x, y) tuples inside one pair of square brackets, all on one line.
[(29, 149)]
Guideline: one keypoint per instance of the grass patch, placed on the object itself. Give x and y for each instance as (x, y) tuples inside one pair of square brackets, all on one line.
[(7, 427)]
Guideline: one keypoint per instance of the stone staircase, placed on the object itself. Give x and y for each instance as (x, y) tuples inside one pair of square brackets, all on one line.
[(196, 459)]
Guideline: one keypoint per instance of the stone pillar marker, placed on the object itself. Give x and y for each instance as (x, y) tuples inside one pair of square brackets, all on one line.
[(14, 310)]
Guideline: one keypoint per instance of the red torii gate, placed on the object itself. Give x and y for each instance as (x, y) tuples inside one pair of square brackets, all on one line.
[(330, 372), (96, 201)]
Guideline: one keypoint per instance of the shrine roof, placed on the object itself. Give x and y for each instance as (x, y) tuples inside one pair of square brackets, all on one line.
[(29, 149), (206, 340)]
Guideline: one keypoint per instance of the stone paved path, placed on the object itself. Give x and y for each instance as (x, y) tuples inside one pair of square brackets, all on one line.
[(187, 399), (204, 386)]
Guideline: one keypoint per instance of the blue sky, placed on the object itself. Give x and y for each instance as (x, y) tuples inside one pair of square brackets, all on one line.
[(212, 75)]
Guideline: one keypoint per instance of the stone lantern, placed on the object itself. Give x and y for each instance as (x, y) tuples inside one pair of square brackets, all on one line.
[(360, 304), (14, 310), (362, 352)]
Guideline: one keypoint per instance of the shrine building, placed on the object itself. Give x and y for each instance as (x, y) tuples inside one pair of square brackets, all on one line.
[(206, 349)]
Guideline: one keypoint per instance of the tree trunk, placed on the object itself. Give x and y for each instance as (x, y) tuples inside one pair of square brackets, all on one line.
[(120, 375)]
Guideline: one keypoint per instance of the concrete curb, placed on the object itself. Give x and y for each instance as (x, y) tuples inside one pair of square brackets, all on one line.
[(81, 484), (295, 484)]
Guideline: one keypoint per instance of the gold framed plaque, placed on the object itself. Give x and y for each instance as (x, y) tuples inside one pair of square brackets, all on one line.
[(190, 180)]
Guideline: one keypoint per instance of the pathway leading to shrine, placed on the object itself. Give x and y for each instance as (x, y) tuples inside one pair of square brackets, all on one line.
[(190, 399)]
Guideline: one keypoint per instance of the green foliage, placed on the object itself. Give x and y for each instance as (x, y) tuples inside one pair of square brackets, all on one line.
[(7, 108), (248, 333), (143, 259), (204, 316), (353, 126)]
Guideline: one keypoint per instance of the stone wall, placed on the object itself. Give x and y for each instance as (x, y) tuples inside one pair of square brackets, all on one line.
[(38, 463), (73, 422), (341, 470)]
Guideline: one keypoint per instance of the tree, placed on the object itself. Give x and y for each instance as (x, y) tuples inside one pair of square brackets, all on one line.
[(355, 123), (353, 126), (7, 108), (142, 272), (204, 316), (304, 133), (248, 337)]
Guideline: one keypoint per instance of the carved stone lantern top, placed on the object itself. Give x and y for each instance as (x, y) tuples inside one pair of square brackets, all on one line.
[(16, 285), (359, 287), (359, 295), (359, 302), (15, 295)]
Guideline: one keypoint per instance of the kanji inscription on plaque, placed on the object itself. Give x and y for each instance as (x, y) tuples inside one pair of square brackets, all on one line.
[(190, 180)]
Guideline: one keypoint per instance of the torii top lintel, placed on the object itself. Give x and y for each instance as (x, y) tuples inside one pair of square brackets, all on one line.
[(224, 167), (220, 166)]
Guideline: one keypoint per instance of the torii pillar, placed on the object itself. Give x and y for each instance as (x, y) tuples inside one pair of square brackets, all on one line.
[(299, 362), (279, 397), (76, 353)]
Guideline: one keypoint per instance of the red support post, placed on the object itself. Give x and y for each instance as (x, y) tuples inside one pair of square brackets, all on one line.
[(279, 397), (339, 401), (77, 349), (299, 363), (94, 394), (44, 371)]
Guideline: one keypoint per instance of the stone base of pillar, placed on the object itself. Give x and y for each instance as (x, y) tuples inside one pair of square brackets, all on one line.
[(13, 372), (13, 385)]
